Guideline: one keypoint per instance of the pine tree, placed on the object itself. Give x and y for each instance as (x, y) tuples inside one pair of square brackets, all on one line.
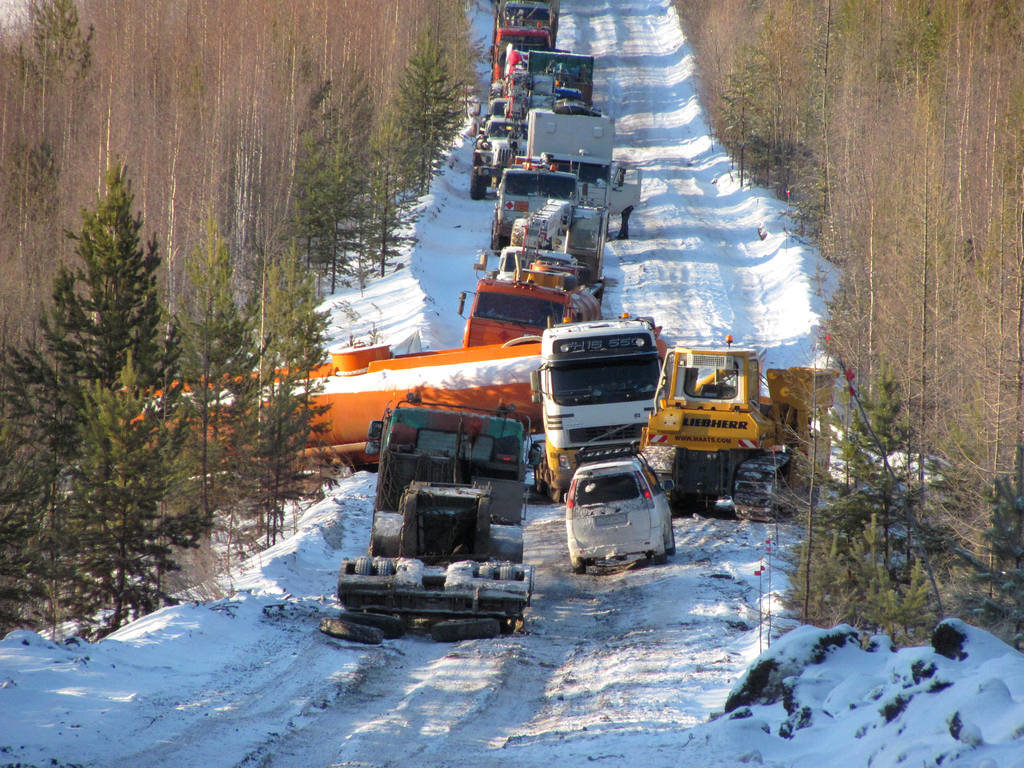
[(106, 323), (1000, 604), (218, 363), (20, 568), (125, 540), (284, 418), (117, 312), (431, 104), (863, 568), (388, 199)]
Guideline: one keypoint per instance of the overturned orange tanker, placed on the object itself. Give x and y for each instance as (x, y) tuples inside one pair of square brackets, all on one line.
[(360, 383)]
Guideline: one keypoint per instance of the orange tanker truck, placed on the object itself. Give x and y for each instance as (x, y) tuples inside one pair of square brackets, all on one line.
[(504, 310), (359, 383)]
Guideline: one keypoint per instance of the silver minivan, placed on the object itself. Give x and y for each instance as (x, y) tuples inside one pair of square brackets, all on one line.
[(616, 511)]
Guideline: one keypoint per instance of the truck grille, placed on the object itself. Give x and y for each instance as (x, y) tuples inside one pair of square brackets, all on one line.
[(609, 433)]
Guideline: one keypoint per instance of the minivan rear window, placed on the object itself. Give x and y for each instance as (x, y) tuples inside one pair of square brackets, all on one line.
[(605, 489)]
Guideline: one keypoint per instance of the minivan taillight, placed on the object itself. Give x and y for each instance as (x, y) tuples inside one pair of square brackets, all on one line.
[(643, 486)]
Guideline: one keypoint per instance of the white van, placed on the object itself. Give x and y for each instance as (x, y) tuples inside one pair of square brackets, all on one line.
[(617, 511)]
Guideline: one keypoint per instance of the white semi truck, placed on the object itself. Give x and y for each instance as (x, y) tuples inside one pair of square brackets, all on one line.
[(596, 382)]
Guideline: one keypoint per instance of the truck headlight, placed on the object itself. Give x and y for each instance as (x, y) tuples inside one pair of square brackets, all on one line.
[(563, 461)]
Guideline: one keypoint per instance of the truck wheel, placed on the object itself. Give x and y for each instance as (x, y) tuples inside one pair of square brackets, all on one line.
[(464, 629), (364, 566), (555, 494), (579, 565), (477, 186), (390, 626), (346, 630), (659, 558), (495, 239)]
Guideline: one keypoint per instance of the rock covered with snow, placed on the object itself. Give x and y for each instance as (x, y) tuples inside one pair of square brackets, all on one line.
[(816, 694)]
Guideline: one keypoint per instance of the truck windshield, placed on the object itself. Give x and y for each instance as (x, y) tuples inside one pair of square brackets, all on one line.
[(709, 382), (522, 310), (502, 129), (525, 42), (600, 382), (536, 183), (592, 173), (520, 13)]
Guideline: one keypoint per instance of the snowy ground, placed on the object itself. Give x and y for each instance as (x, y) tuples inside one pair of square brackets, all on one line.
[(613, 668)]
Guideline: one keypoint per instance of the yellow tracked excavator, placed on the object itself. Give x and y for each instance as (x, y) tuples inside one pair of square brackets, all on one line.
[(725, 444)]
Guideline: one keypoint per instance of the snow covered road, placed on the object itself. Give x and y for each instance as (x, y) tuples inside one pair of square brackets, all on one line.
[(606, 659)]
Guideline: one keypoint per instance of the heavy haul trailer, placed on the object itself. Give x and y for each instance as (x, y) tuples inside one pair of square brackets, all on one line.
[(446, 541), (723, 443)]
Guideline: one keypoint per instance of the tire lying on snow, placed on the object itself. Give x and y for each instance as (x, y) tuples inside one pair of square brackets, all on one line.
[(346, 630), (390, 626), (465, 629)]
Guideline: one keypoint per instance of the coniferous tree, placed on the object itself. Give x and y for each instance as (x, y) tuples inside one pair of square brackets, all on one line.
[(218, 363), (109, 308), (863, 568), (284, 415), (430, 102), (387, 194), (106, 319), (20, 567), (1000, 601), (125, 538)]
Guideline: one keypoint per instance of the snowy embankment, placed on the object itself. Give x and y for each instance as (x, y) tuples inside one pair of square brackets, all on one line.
[(621, 667)]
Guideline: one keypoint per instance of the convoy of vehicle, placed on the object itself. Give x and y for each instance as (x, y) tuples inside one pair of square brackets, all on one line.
[(630, 427)]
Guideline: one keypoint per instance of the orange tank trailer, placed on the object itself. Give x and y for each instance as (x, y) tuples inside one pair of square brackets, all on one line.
[(359, 384)]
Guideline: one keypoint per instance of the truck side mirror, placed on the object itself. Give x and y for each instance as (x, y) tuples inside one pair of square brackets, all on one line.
[(481, 265), (535, 385), (667, 484), (375, 430), (462, 302), (372, 448)]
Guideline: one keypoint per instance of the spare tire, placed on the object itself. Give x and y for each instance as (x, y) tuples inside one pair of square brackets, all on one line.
[(464, 629), (346, 630)]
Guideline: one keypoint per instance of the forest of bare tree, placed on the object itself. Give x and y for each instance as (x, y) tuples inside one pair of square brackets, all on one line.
[(175, 177), (205, 103), (896, 128)]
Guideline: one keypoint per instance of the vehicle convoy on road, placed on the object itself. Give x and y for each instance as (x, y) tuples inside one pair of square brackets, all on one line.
[(596, 384), (446, 540), (722, 442), (616, 511)]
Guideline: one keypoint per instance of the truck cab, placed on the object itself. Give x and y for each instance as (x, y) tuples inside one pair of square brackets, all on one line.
[(504, 310), (596, 382), (450, 483), (497, 143), (524, 189)]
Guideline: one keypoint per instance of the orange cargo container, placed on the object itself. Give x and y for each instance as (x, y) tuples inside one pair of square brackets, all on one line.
[(359, 384)]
